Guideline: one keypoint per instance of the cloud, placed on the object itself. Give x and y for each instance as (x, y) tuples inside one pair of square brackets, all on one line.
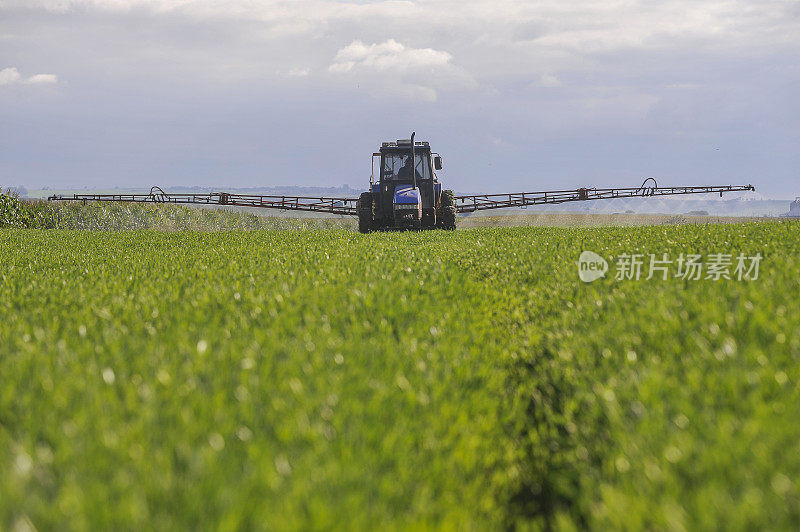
[(41, 79), (548, 81), (298, 72), (391, 68), (489, 42), (11, 75), (388, 55)]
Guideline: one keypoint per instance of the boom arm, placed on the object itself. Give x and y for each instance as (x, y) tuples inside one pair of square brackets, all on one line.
[(294, 203), (481, 202), (347, 206)]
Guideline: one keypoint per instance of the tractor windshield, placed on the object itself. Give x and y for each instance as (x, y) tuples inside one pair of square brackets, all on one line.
[(397, 166)]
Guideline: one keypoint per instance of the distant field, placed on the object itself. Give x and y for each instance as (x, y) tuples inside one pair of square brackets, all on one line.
[(594, 220), (321, 378), (102, 216)]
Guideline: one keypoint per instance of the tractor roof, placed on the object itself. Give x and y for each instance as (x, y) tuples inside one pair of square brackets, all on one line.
[(404, 145)]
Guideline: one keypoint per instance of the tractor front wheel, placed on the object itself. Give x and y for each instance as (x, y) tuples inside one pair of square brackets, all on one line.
[(446, 218), (365, 213)]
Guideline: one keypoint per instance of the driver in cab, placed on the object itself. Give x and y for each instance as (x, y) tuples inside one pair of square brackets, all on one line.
[(405, 170)]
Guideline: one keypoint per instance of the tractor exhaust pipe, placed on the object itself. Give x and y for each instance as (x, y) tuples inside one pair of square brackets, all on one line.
[(413, 162)]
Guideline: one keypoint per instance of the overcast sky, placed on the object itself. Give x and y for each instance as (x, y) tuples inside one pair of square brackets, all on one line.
[(515, 95)]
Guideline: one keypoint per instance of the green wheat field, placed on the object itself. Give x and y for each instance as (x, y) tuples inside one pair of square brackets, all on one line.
[(253, 377)]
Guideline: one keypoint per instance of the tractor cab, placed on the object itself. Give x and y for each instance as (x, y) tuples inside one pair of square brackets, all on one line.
[(405, 191)]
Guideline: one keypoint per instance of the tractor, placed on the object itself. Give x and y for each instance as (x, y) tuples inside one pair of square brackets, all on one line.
[(407, 193)]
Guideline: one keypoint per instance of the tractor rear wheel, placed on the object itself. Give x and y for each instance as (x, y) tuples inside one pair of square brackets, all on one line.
[(365, 213), (446, 218)]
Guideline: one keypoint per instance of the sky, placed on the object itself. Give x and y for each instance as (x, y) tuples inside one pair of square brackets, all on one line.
[(515, 95)]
